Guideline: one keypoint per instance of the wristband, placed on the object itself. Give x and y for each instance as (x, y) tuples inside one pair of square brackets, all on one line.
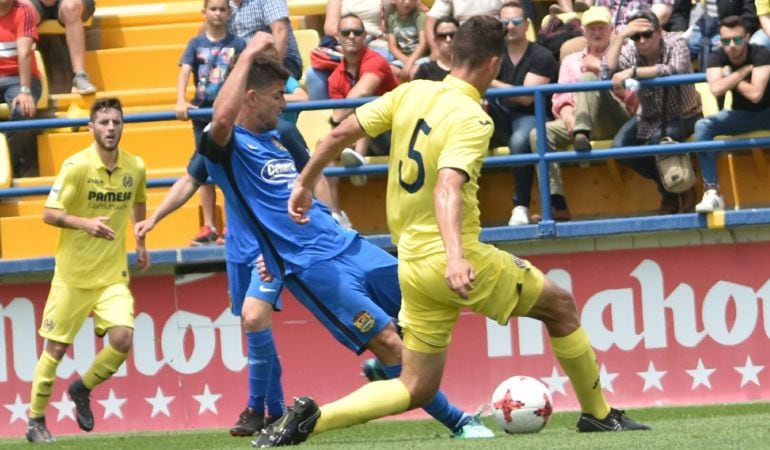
[(25, 90)]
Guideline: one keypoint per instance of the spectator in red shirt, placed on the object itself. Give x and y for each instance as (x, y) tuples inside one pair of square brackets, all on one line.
[(362, 73), (19, 80)]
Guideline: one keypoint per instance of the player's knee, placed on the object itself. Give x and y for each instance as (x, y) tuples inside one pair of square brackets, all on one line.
[(386, 345), (256, 315), (256, 322), (121, 338), (556, 308), (56, 349)]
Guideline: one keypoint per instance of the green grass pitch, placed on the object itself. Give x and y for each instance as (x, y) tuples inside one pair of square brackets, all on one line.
[(738, 426)]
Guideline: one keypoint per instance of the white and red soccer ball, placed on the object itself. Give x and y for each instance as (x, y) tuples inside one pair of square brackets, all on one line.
[(521, 405)]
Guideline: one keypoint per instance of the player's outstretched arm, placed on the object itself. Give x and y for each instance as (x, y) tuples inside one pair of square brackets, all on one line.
[(93, 226), (231, 96), (447, 197), (327, 150), (138, 214), (181, 191)]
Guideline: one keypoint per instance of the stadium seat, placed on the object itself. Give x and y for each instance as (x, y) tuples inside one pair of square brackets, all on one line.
[(307, 40), (314, 125), (162, 145), (5, 163)]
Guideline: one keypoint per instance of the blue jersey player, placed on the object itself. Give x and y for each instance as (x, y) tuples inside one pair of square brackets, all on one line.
[(349, 284), (250, 298)]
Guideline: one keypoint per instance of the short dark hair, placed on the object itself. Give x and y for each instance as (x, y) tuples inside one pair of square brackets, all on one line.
[(477, 40), (733, 22), (445, 19), (645, 14), (105, 103), (264, 71), (349, 15)]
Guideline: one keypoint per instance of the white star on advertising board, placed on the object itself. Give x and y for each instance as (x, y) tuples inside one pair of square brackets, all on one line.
[(112, 405), (607, 378), (66, 408), (555, 382), (652, 378), (207, 400), (700, 375), (18, 410), (749, 372), (159, 403)]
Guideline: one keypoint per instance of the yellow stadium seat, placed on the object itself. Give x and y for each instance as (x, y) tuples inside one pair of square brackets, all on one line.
[(307, 40), (314, 125), (5, 163)]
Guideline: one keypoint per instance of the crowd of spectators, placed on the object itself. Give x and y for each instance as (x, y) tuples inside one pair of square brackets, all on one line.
[(385, 42)]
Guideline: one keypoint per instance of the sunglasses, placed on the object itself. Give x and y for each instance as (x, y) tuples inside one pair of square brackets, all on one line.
[(443, 36), (516, 21), (356, 32), (642, 34), (738, 40)]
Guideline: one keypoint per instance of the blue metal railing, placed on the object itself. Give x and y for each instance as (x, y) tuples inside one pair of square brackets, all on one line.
[(541, 158)]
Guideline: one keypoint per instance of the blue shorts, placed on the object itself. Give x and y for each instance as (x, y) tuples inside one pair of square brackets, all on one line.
[(354, 295), (243, 281)]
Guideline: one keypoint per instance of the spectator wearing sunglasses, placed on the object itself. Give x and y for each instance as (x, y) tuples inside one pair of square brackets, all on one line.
[(670, 111), (743, 69), (524, 64), (362, 73), (444, 33)]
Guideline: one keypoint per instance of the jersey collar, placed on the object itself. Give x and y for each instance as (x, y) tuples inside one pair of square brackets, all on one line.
[(93, 155), (463, 86)]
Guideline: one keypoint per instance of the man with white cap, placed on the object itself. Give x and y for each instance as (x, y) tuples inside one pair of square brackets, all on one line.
[(587, 115)]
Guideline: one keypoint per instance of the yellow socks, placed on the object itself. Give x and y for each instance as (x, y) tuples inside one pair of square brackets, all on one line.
[(42, 383), (577, 359), (371, 401), (104, 366)]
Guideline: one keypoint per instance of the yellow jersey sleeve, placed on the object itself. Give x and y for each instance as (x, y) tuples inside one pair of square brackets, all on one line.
[(65, 187), (376, 117), (141, 189)]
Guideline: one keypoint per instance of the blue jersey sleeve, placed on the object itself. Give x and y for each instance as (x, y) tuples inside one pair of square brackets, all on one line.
[(292, 139)]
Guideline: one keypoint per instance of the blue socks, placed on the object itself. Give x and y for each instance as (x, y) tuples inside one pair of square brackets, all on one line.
[(261, 358), (276, 405), (439, 408)]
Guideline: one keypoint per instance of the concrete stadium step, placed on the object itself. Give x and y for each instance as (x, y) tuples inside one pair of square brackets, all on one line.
[(133, 100), (29, 237), (148, 35), (162, 145), (134, 68)]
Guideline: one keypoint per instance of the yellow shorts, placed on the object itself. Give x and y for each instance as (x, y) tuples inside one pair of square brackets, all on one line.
[(67, 308), (505, 286)]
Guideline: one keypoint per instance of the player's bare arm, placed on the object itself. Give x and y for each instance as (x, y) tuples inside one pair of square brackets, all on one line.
[(230, 97), (93, 226), (325, 152), (138, 214), (181, 191), (447, 196)]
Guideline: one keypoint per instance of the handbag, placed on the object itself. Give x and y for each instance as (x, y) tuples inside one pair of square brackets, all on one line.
[(325, 56), (676, 171)]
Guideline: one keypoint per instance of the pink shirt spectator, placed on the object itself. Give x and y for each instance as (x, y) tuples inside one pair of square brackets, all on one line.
[(340, 82), (570, 71)]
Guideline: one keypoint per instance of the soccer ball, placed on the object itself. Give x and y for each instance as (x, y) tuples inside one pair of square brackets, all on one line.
[(521, 405)]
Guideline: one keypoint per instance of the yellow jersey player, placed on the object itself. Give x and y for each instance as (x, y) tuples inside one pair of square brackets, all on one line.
[(95, 193), (441, 136)]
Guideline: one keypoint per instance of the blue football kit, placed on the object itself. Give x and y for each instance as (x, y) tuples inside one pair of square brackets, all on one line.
[(349, 284)]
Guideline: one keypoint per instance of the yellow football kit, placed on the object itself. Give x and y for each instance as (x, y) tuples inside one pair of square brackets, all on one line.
[(440, 125), (88, 268)]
